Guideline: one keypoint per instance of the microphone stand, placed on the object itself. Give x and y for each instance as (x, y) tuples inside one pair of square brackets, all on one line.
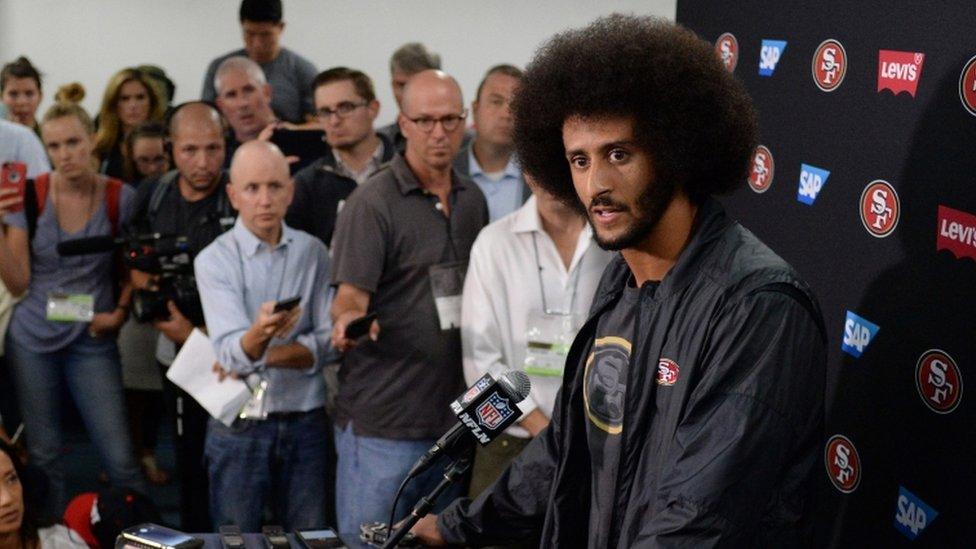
[(426, 503)]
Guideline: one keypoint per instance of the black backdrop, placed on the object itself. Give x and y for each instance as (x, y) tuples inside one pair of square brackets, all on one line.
[(903, 470)]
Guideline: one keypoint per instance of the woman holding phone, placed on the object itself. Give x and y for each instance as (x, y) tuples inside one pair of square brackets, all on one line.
[(62, 333)]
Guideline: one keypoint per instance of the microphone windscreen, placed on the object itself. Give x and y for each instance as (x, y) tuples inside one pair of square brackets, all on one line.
[(518, 382)]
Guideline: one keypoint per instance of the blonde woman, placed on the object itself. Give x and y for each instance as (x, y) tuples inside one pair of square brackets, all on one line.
[(130, 99)]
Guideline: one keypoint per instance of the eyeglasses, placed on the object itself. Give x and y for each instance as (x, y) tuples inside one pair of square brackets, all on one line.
[(342, 110), (449, 122), (150, 160)]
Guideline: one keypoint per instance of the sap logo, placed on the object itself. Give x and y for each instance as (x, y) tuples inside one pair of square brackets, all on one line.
[(939, 381), (829, 65), (967, 86), (763, 169), (912, 514), (843, 463), (899, 71), (769, 56), (858, 334), (956, 232), (727, 48), (880, 208), (812, 180)]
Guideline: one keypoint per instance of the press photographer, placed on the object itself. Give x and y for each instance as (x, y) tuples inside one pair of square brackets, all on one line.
[(190, 204)]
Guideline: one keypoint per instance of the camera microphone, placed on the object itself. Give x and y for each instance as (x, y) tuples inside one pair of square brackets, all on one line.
[(89, 245)]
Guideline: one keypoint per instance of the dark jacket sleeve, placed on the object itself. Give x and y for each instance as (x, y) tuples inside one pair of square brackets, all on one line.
[(748, 443), (514, 507)]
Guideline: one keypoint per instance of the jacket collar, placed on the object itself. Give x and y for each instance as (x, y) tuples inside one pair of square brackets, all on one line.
[(709, 224)]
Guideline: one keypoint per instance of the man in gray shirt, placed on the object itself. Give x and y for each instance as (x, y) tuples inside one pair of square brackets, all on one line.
[(278, 456), (400, 250), (289, 74)]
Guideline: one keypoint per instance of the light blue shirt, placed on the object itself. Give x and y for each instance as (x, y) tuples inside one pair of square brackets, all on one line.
[(505, 195), (238, 272)]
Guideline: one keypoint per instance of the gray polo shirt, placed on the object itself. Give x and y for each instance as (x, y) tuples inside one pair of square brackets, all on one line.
[(388, 235), (290, 76)]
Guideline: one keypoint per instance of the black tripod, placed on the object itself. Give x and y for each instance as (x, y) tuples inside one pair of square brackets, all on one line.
[(452, 473)]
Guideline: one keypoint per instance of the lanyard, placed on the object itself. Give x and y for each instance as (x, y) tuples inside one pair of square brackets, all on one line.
[(542, 288)]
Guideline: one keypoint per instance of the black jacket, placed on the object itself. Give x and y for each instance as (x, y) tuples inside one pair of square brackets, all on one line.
[(723, 457)]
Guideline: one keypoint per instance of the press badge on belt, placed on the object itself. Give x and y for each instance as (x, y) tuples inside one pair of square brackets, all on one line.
[(65, 307), (447, 284), (548, 338)]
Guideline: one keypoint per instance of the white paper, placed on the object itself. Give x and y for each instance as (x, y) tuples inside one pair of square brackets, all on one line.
[(193, 372)]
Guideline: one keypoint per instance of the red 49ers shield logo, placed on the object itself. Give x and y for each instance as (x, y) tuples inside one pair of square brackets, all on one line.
[(763, 169), (667, 372), (727, 48), (939, 381), (967, 86), (880, 208), (829, 65), (843, 463)]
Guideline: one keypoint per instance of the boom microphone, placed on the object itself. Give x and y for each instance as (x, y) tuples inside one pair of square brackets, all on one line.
[(484, 411), (89, 245)]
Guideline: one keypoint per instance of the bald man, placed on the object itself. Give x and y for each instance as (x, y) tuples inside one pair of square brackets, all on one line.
[(278, 456), (187, 201), (400, 250)]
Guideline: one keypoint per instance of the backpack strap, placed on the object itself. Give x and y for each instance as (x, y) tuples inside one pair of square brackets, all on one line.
[(113, 195), (159, 192), (35, 198)]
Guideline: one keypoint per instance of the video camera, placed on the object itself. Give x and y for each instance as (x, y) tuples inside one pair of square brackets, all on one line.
[(167, 256)]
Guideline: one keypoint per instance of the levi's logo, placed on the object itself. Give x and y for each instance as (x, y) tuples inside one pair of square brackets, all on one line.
[(899, 71), (956, 232)]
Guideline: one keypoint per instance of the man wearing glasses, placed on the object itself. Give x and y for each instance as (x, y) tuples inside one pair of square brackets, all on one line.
[(400, 250), (346, 107)]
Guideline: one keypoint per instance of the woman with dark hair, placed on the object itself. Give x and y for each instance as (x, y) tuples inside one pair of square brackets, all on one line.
[(21, 525), (130, 99), (145, 154), (20, 90), (62, 333)]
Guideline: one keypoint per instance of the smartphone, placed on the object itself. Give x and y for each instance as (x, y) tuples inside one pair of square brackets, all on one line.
[(360, 327), (12, 176), (319, 538), (307, 145), (275, 538), (160, 537), (287, 304), (230, 536)]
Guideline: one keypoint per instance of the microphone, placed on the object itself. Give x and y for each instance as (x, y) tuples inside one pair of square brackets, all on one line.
[(89, 245), (484, 411)]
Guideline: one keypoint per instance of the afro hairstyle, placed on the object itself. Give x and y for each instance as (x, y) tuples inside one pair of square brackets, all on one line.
[(691, 116)]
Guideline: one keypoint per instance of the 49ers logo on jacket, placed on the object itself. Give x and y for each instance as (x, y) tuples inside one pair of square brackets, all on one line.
[(967, 86), (880, 208), (829, 65), (667, 372), (727, 48), (899, 71), (843, 463), (763, 169), (939, 381)]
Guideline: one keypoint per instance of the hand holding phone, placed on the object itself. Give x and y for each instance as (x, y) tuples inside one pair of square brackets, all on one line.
[(360, 327), (287, 304), (13, 176)]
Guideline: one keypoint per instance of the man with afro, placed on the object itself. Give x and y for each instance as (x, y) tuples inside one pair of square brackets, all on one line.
[(711, 345)]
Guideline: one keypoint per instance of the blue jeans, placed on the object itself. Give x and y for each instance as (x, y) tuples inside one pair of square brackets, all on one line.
[(281, 461), (91, 370), (369, 472)]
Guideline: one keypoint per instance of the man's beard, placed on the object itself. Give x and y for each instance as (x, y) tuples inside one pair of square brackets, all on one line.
[(650, 207)]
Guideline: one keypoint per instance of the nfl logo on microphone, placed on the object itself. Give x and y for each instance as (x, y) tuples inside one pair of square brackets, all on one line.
[(494, 411)]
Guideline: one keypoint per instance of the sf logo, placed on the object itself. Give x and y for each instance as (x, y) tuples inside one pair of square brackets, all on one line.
[(843, 463)]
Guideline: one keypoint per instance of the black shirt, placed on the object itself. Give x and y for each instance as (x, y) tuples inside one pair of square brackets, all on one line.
[(605, 392), (319, 193), (199, 221)]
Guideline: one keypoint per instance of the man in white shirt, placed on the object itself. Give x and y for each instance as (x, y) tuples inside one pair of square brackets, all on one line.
[(530, 281)]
